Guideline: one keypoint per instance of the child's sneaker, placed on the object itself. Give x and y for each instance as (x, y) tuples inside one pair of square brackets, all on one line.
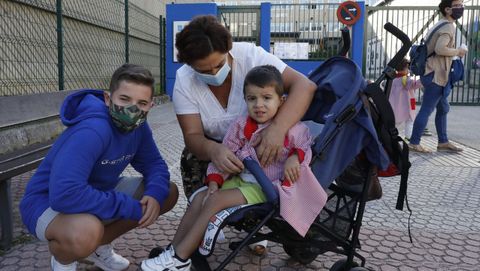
[(105, 258), (166, 261), (56, 266)]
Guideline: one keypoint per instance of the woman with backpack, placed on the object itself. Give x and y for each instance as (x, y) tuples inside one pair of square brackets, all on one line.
[(436, 79)]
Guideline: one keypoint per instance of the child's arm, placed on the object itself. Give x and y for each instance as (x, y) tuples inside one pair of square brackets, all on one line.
[(233, 141), (300, 152), (413, 84), (292, 168)]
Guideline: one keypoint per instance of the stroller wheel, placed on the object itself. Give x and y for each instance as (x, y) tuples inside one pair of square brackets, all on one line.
[(341, 265), (300, 254)]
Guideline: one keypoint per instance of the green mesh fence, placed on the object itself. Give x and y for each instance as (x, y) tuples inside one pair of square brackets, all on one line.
[(144, 40), (28, 48), (93, 42)]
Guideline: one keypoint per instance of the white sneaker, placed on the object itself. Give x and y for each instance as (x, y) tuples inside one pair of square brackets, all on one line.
[(166, 261), (259, 248), (56, 266), (105, 258)]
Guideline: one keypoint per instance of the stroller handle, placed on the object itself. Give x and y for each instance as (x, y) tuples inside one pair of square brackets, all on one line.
[(406, 44), (346, 42), (389, 70), (262, 179)]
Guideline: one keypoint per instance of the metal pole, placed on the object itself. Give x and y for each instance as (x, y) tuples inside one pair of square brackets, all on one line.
[(164, 61), (160, 43), (126, 33), (61, 79)]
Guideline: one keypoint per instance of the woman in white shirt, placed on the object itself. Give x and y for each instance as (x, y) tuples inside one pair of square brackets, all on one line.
[(208, 96)]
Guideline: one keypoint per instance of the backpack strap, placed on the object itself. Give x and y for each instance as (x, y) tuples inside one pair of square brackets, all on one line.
[(398, 156), (387, 116), (430, 36), (405, 166)]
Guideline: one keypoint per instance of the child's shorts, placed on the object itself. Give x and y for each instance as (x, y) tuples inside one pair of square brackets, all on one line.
[(132, 186), (252, 192)]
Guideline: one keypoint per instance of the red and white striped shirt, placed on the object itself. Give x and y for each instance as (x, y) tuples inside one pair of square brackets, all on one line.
[(306, 194)]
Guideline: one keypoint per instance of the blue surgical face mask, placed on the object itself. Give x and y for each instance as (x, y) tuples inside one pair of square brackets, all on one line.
[(217, 79)]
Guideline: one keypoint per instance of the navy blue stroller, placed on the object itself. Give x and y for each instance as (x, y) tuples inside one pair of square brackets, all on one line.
[(342, 107)]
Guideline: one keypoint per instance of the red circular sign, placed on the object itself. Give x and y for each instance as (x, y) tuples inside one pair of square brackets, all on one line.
[(348, 12)]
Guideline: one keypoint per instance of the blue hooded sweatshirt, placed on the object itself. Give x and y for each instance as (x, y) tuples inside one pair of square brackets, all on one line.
[(82, 168)]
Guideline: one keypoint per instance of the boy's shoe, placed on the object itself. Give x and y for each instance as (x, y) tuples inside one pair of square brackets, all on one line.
[(418, 148), (105, 258), (448, 147), (426, 132), (56, 266), (166, 261), (155, 252)]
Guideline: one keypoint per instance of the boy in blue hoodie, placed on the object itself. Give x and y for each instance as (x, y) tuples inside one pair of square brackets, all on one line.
[(76, 200)]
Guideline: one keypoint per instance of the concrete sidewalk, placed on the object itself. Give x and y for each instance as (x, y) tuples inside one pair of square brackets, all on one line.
[(444, 195), (463, 125)]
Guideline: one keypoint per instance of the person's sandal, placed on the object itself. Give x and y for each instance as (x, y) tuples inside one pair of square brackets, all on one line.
[(448, 147), (418, 148)]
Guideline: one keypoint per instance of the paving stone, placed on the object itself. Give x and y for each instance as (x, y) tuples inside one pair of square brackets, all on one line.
[(10, 261)]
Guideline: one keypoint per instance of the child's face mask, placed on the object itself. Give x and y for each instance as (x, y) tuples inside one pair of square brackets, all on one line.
[(127, 118)]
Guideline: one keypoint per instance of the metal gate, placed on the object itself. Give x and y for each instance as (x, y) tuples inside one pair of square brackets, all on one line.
[(242, 21), (415, 21)]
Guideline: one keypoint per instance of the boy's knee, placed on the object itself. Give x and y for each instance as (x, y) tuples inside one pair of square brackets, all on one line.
[(83, 239), (171, 199)]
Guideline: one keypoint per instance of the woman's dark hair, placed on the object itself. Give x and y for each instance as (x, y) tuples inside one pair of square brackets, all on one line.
[(131, 73), (403, 64), (262, 76), (444, 4), (201, 37)]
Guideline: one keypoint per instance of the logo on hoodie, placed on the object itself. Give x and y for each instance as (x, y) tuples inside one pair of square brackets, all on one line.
[(124, 158)]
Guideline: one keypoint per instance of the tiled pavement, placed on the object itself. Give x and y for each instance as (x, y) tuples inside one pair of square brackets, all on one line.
[(444, 194)]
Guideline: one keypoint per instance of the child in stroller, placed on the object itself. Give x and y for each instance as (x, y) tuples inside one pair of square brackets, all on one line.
[(357, 118), (297, 186)]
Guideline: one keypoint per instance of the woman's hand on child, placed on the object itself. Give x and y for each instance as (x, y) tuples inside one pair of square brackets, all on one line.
[(225, 160), (212, 188), (269, 145), (292, 168), (151, 211)]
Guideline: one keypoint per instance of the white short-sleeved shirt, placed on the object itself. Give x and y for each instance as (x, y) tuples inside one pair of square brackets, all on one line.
[(192, 96)]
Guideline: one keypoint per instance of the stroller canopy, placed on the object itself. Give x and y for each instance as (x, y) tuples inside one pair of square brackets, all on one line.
[(339, 104)]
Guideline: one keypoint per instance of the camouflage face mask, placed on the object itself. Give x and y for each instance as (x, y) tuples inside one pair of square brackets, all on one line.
[(127, 118)]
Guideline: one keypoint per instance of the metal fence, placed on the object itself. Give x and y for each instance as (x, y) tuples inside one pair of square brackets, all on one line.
[(51, 45), (315, 26), (380, 46), (243, 22)]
